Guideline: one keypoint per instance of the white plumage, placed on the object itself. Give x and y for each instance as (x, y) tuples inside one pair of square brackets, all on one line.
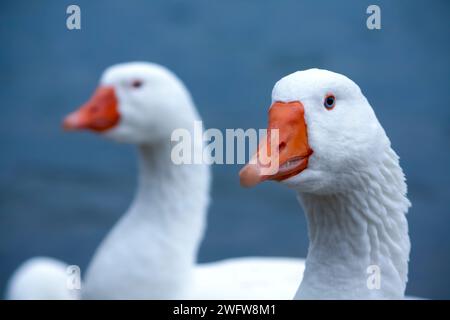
[(352, 189), (151, 252), (40, 278), (353, 192)]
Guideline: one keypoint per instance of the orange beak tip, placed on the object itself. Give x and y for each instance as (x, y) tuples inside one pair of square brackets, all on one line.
[(250, 176), (70, 122)]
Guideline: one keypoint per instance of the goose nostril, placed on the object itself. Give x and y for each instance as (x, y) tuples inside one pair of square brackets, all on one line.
[(94, 109), (281, 146)]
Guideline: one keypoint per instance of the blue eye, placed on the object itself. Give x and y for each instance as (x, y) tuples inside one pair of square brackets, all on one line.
[(329, 102)]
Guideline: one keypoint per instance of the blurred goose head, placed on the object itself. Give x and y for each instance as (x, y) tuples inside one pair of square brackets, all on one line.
[(137, 102)]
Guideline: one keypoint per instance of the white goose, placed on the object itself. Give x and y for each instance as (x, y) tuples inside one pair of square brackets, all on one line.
[(335, 154), (151, 252)]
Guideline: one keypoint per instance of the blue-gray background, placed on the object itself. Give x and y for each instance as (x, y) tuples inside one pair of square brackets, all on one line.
[(61, 193)]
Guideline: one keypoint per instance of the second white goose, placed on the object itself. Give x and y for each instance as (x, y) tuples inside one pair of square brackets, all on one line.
[(151, 252)]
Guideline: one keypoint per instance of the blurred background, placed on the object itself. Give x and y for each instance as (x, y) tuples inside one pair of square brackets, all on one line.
[(61, 193)]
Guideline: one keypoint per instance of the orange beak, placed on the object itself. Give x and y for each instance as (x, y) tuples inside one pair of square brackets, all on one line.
[(292, 149), (99, 114)]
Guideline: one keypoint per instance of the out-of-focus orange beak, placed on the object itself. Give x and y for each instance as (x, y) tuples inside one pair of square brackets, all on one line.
[(292, 149), (99, 114)]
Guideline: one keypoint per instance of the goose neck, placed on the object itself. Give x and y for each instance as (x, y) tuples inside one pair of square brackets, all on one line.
[(359, 243)]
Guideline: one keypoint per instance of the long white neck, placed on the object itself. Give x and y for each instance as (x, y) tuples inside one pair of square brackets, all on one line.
[(359, 243), (172, 199), (151, 251)]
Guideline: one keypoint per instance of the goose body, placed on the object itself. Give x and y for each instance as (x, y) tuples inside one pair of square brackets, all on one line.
[(40, 278), (252, 278)]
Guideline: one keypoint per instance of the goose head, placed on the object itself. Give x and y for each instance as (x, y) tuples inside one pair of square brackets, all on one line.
[(137, 102), (327, 131)]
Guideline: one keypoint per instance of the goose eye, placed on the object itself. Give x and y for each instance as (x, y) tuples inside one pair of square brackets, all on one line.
[(136, 84), (329, 102)]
